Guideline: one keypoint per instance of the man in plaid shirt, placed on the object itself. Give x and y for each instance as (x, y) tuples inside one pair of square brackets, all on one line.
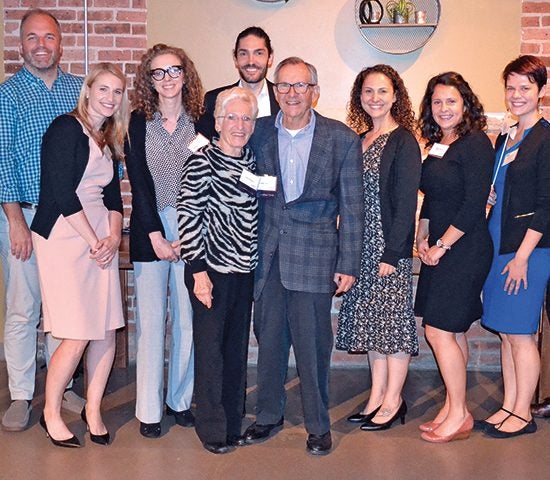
[(29, 101)]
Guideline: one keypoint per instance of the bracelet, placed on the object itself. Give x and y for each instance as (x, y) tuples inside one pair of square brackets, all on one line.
[(440, 244)]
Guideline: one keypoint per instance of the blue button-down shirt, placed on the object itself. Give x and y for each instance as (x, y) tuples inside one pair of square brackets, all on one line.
[(27, 107), (294, 155)]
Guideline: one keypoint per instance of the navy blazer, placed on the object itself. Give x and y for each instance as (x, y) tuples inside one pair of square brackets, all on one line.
[(65, 153), (400, 169), (144, 218), (526, 197), (206, 123), (320, 233)]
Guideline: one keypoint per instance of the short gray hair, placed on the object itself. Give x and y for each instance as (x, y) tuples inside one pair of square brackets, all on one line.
[(235, 93), (297, 61)]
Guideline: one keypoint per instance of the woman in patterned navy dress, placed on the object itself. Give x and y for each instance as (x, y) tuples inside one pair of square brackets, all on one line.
[(376, 315)]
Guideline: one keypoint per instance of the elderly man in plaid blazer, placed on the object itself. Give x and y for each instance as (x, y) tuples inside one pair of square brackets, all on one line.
[(310, 235)]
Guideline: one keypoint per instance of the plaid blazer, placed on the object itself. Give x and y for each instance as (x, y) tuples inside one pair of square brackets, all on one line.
[(320, 233)]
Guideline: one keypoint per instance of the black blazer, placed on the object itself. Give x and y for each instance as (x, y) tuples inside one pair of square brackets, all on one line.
[(400, 168), (206, 123), (526, 197), (64, 156), (144, 218)]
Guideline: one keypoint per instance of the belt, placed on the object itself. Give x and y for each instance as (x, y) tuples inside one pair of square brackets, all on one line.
[(28, 206)]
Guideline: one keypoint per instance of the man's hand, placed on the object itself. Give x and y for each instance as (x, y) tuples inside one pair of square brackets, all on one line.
[(343, 282)]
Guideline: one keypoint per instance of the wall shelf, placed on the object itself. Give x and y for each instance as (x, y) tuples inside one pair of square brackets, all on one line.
[(400, 38)]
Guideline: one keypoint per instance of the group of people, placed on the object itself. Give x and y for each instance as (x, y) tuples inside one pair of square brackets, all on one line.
[(248, 196)]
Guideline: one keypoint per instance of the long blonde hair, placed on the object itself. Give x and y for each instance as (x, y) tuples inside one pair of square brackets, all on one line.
[(114, 129)]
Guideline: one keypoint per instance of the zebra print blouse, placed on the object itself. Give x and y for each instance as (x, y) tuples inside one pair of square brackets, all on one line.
[(217, 222)]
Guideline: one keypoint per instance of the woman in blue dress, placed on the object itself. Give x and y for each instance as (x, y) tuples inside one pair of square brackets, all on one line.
[(520, 228)]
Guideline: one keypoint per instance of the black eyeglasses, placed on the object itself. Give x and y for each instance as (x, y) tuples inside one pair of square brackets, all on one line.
[(173, 71), (299, 87)]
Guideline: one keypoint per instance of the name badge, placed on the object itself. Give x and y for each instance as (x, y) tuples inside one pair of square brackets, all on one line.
[(199, 142), (438, 150), (259, 186)]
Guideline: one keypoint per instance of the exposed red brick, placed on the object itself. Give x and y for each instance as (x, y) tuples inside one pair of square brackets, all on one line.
[(112, 28), (530, 48), (114, 55), (112, 3), (533, 21), (545, 20), (131, 16), (535, 7), (130, 42), (542, 34)]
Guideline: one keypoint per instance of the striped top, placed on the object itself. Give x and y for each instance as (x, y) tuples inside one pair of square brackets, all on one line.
[(217, 222)]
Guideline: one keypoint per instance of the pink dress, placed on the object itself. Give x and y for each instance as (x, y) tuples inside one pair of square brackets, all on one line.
[(80, 301)]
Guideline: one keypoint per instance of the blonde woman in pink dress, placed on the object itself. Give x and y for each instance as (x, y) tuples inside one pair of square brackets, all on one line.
[(76, 235)]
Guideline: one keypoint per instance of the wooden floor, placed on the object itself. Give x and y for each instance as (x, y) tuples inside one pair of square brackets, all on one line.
[(398, 453)]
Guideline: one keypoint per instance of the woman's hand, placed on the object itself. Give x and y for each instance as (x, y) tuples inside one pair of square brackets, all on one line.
[(164, 249), (422, 247), (385, 269), (203, 288), (432, 255), (517, 273), (104, 250)]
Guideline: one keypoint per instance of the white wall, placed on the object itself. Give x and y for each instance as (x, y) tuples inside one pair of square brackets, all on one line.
[(475, 37)]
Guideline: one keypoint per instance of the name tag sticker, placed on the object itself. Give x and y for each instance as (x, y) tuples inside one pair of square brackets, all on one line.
[(267, 186), (199, 142), (438, 150), (248, 182), (260, 186)]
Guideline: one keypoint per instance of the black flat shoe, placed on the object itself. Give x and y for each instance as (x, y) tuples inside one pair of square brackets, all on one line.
[(370, 426), (72, 442), (319, 444), (149, 430), (236, 440), (484, 425), (218, 448), (103, 439), (257, 433), (530, 427), (360, 417), (184, 418)]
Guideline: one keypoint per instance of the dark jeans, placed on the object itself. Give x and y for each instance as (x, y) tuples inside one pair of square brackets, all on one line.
[(220, 336)]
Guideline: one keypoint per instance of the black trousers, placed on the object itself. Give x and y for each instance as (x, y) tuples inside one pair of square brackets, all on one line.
[(283, 318), (220, 336)]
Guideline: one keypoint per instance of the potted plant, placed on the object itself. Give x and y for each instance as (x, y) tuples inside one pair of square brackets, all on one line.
[(400, 10)]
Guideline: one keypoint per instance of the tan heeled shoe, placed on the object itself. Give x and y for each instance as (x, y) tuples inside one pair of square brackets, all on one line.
[(462, 433), (428, 426)]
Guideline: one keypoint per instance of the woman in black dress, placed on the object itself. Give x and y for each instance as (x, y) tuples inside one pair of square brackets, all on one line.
[(453, 240)]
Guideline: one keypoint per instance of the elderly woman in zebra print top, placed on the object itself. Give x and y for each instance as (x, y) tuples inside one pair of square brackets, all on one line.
[(218, 231)]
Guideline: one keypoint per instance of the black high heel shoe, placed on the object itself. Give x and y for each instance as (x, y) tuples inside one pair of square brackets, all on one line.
[(72, 442), (99, 439), (360, 417), (370, 426)]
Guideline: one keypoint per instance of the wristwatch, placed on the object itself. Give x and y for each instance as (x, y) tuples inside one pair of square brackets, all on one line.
[(440, 244)]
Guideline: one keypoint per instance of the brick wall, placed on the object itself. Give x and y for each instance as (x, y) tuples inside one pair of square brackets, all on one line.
[(535, 36)]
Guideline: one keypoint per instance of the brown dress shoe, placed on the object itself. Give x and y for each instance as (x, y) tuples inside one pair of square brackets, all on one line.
[(541, 410)]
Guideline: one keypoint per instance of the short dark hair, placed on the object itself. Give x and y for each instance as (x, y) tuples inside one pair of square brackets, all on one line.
[(38, 11), (529, 65), (257, 32), (473, 118)]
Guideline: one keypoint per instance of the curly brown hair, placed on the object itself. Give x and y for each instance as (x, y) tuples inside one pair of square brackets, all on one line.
[(473, 117), (401, 110), (146, 97)]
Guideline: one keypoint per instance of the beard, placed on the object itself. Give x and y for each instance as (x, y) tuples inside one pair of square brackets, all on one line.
[(41, 64), (255, 77)]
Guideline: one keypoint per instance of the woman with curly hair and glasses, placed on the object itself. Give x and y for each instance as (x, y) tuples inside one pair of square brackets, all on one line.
[(452, 239), (376, 315), (167, 101)]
